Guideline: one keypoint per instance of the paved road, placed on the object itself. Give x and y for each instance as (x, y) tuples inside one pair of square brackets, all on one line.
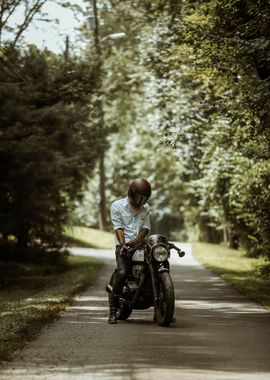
[(218, 334)]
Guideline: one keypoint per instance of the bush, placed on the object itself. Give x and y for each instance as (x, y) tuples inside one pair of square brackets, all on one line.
[(249, 208)]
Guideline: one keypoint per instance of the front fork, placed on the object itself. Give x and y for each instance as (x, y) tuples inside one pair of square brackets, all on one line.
[(163, 267), (153, 280)]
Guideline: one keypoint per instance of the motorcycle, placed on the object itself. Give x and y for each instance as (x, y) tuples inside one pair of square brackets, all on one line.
[(149, 282)]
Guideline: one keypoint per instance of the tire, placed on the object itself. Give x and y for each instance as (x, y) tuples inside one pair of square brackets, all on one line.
[(124, 311), (164, 307)]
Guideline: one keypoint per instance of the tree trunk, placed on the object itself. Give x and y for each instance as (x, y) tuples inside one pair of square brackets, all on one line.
[(23, 238), (102, 203), (233, 240), (230, 238)]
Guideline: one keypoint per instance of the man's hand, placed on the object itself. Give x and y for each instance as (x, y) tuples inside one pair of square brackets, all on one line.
[(133, 242), (141, 236), (123, 249)]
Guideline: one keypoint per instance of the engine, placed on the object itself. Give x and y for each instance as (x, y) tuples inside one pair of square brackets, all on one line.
[(137, 271)]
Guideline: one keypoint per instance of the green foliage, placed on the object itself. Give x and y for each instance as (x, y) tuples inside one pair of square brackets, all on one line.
[(208, 57), (249, 207), (139, 154), (178, 93), (187, 77), (48, 144), (130, 110)]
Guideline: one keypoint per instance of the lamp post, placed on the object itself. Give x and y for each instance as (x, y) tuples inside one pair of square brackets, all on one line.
[(94, 24)]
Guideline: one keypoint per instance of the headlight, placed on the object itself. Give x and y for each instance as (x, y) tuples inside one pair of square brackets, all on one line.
[(160, 253)]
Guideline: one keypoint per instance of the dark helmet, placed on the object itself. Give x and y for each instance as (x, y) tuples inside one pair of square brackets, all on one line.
[(139, 192)]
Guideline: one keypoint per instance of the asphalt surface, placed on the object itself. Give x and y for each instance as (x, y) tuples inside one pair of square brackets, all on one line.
[(218, 334)]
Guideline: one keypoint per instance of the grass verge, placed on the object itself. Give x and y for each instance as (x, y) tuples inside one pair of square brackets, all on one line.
[(233, 266), (90, 237), (32, 295)]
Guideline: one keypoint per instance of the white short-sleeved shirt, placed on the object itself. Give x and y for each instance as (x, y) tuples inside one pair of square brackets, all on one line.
[(124, 216)]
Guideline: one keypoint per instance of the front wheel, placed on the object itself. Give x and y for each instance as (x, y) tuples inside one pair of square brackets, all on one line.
[(123, 312), (164, 307)]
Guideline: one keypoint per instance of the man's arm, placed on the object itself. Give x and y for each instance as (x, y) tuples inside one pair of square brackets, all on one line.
[(120, 234), (141, 235), (118, 227)]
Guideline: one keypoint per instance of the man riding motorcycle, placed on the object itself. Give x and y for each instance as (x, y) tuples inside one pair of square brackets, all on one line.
[(131, 222)]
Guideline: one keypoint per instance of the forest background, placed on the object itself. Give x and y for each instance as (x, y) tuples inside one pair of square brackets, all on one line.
[(182, 99)]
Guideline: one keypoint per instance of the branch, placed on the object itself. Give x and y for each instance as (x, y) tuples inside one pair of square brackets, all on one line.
[(6, 7), (11, 8), (28, 18)]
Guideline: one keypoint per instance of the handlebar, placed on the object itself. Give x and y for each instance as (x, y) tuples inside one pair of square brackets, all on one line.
[(179, 251), (131, 250)]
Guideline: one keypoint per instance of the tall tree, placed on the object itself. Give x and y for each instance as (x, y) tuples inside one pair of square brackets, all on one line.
[(48, 144), (223, 50)]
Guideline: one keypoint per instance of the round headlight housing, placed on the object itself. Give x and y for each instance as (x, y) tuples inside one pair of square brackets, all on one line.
[(160, 252)]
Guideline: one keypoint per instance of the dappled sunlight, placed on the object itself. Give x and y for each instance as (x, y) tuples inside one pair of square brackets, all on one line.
[(87, 322), (223, 307), (48, 299), (85, 372), (217, 335), (93, 252), (90, 298), (176, 92), (134, 372), (88, 308)]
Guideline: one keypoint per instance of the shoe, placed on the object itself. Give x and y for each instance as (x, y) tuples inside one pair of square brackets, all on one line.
[(112, 318)]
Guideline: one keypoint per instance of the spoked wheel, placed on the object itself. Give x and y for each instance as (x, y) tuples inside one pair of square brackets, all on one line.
[(164, 307), (124, 310)]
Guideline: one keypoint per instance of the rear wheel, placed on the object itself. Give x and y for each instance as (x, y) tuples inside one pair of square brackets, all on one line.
[(164, 307), (124, 311)]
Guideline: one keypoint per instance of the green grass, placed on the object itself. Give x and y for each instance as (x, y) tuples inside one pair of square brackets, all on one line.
[(90, 237), (32, 295), (236, 268)]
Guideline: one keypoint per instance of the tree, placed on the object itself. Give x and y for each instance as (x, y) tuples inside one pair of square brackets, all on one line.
[(192, 66), (48, 144), (222, 49), (118, 75)]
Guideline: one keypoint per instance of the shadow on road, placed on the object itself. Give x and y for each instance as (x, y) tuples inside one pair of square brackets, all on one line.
[(218, 334)]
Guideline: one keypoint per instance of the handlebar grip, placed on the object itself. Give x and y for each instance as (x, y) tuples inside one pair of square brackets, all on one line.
[(181, 253)]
